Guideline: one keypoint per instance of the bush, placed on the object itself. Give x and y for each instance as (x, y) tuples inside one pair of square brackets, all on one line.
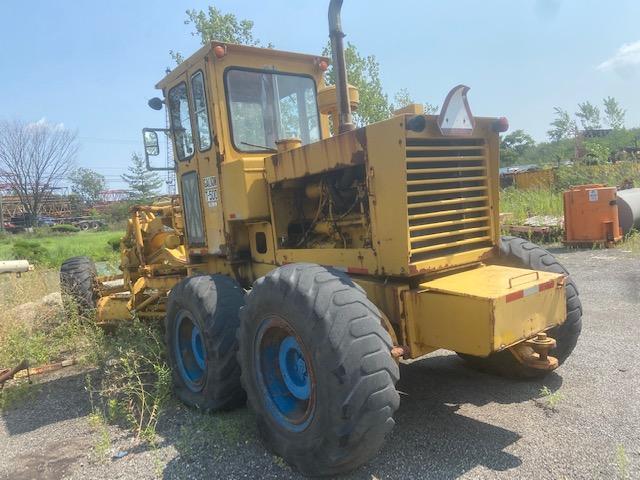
[(114, 243), (64, 228), (29, 250)]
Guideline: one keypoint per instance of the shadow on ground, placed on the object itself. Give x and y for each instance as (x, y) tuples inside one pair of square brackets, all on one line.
[(55, 399), (431, 438)]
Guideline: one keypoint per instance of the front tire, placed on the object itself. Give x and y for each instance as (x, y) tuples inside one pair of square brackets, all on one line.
[(201, 324), (317, 369), (518, 252)]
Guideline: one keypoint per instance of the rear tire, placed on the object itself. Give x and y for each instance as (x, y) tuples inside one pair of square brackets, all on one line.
[(201, 323), (78, 285), (518, 252), (317, 369)]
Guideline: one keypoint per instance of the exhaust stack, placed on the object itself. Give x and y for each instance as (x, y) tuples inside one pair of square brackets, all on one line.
[(340, 67)]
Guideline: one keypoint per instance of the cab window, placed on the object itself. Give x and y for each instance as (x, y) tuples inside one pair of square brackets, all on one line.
[(180, 115), (266, 106), (200, 107)]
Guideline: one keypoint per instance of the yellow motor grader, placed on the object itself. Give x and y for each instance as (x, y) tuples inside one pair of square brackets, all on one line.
[(305, 257)]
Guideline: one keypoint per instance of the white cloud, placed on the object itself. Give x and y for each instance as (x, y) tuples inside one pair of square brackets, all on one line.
[(627, 57)]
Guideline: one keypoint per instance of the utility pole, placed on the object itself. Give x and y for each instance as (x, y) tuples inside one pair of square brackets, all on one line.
[(1, 214)]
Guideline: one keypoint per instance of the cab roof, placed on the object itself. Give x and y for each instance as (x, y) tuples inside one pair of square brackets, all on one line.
[(231, 49)]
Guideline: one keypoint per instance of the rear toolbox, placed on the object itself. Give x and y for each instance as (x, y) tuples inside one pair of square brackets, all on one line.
[(482, 310)]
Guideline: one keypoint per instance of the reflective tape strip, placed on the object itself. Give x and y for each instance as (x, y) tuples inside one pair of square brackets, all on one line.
[(529, 291)]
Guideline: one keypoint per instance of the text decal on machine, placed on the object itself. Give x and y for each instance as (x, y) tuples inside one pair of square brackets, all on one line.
[(211, 190)]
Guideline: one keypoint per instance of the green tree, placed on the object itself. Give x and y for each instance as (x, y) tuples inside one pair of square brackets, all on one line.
[(87, 185), (142, 183), (563, 126), (589, 116), (614, 113), (513, 146), (596, 152), (363, 72), (402, 98), (212, 25)]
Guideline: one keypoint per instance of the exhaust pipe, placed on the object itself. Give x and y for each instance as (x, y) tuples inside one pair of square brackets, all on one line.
[(340, 67)]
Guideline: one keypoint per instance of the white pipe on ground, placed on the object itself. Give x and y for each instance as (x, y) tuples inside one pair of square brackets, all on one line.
[(15, 266)]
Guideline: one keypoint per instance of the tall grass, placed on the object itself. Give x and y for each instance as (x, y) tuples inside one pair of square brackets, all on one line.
[(523, 204), (548, 201), (51, 249), (134, 381)]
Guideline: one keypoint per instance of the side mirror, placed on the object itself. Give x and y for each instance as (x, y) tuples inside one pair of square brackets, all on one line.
[(151, 145)]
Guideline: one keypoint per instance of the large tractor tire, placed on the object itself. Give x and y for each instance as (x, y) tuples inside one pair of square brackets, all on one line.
[(201, 329), (78, 285), (317, 369), (517, 252)]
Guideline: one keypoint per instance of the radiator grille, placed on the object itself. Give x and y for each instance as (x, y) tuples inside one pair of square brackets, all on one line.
[(447, 196)]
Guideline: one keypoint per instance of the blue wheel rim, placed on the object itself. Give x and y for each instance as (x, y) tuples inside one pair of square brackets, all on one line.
[(190, 352), (284, 375)]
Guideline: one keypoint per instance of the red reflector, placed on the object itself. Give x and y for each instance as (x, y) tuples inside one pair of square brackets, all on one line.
[(358, 271), (232, 215), (546, 285), (514, 296)]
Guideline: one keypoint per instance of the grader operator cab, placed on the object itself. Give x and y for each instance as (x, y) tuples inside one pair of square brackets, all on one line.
[(298, 267)]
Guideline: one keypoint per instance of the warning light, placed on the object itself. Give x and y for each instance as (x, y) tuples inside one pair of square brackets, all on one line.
[(219, 51)]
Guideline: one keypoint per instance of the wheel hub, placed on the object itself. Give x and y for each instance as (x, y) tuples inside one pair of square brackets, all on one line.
[(284, 374)]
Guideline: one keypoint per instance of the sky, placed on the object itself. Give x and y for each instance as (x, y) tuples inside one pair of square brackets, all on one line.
[(92, 66)]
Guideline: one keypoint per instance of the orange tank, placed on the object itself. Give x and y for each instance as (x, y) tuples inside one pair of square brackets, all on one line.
[(591, 215)]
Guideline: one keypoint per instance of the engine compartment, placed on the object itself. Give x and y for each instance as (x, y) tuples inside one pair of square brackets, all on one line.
[(325, 210)]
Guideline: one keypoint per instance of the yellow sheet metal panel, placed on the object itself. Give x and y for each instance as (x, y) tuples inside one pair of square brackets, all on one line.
[(482, 310), (339, 151), (388, 194), (246, 199), (357, 261), (112, 308)]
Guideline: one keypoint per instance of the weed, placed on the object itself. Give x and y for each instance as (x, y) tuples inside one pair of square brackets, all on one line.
[(137, 381), (279, 461), (631, 242), (523, 204), (622, 462), (114, 242), (215, 432), (551, 400), (102, 446), (29, 250)]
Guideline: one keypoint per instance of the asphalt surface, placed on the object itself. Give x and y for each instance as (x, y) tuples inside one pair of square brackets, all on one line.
[(452, 423)]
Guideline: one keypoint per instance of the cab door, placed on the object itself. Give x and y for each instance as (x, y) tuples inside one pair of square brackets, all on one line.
[(207, 157), (196, 166)]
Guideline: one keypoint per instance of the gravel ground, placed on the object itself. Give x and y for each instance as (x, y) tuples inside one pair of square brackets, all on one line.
[(453, 422)]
